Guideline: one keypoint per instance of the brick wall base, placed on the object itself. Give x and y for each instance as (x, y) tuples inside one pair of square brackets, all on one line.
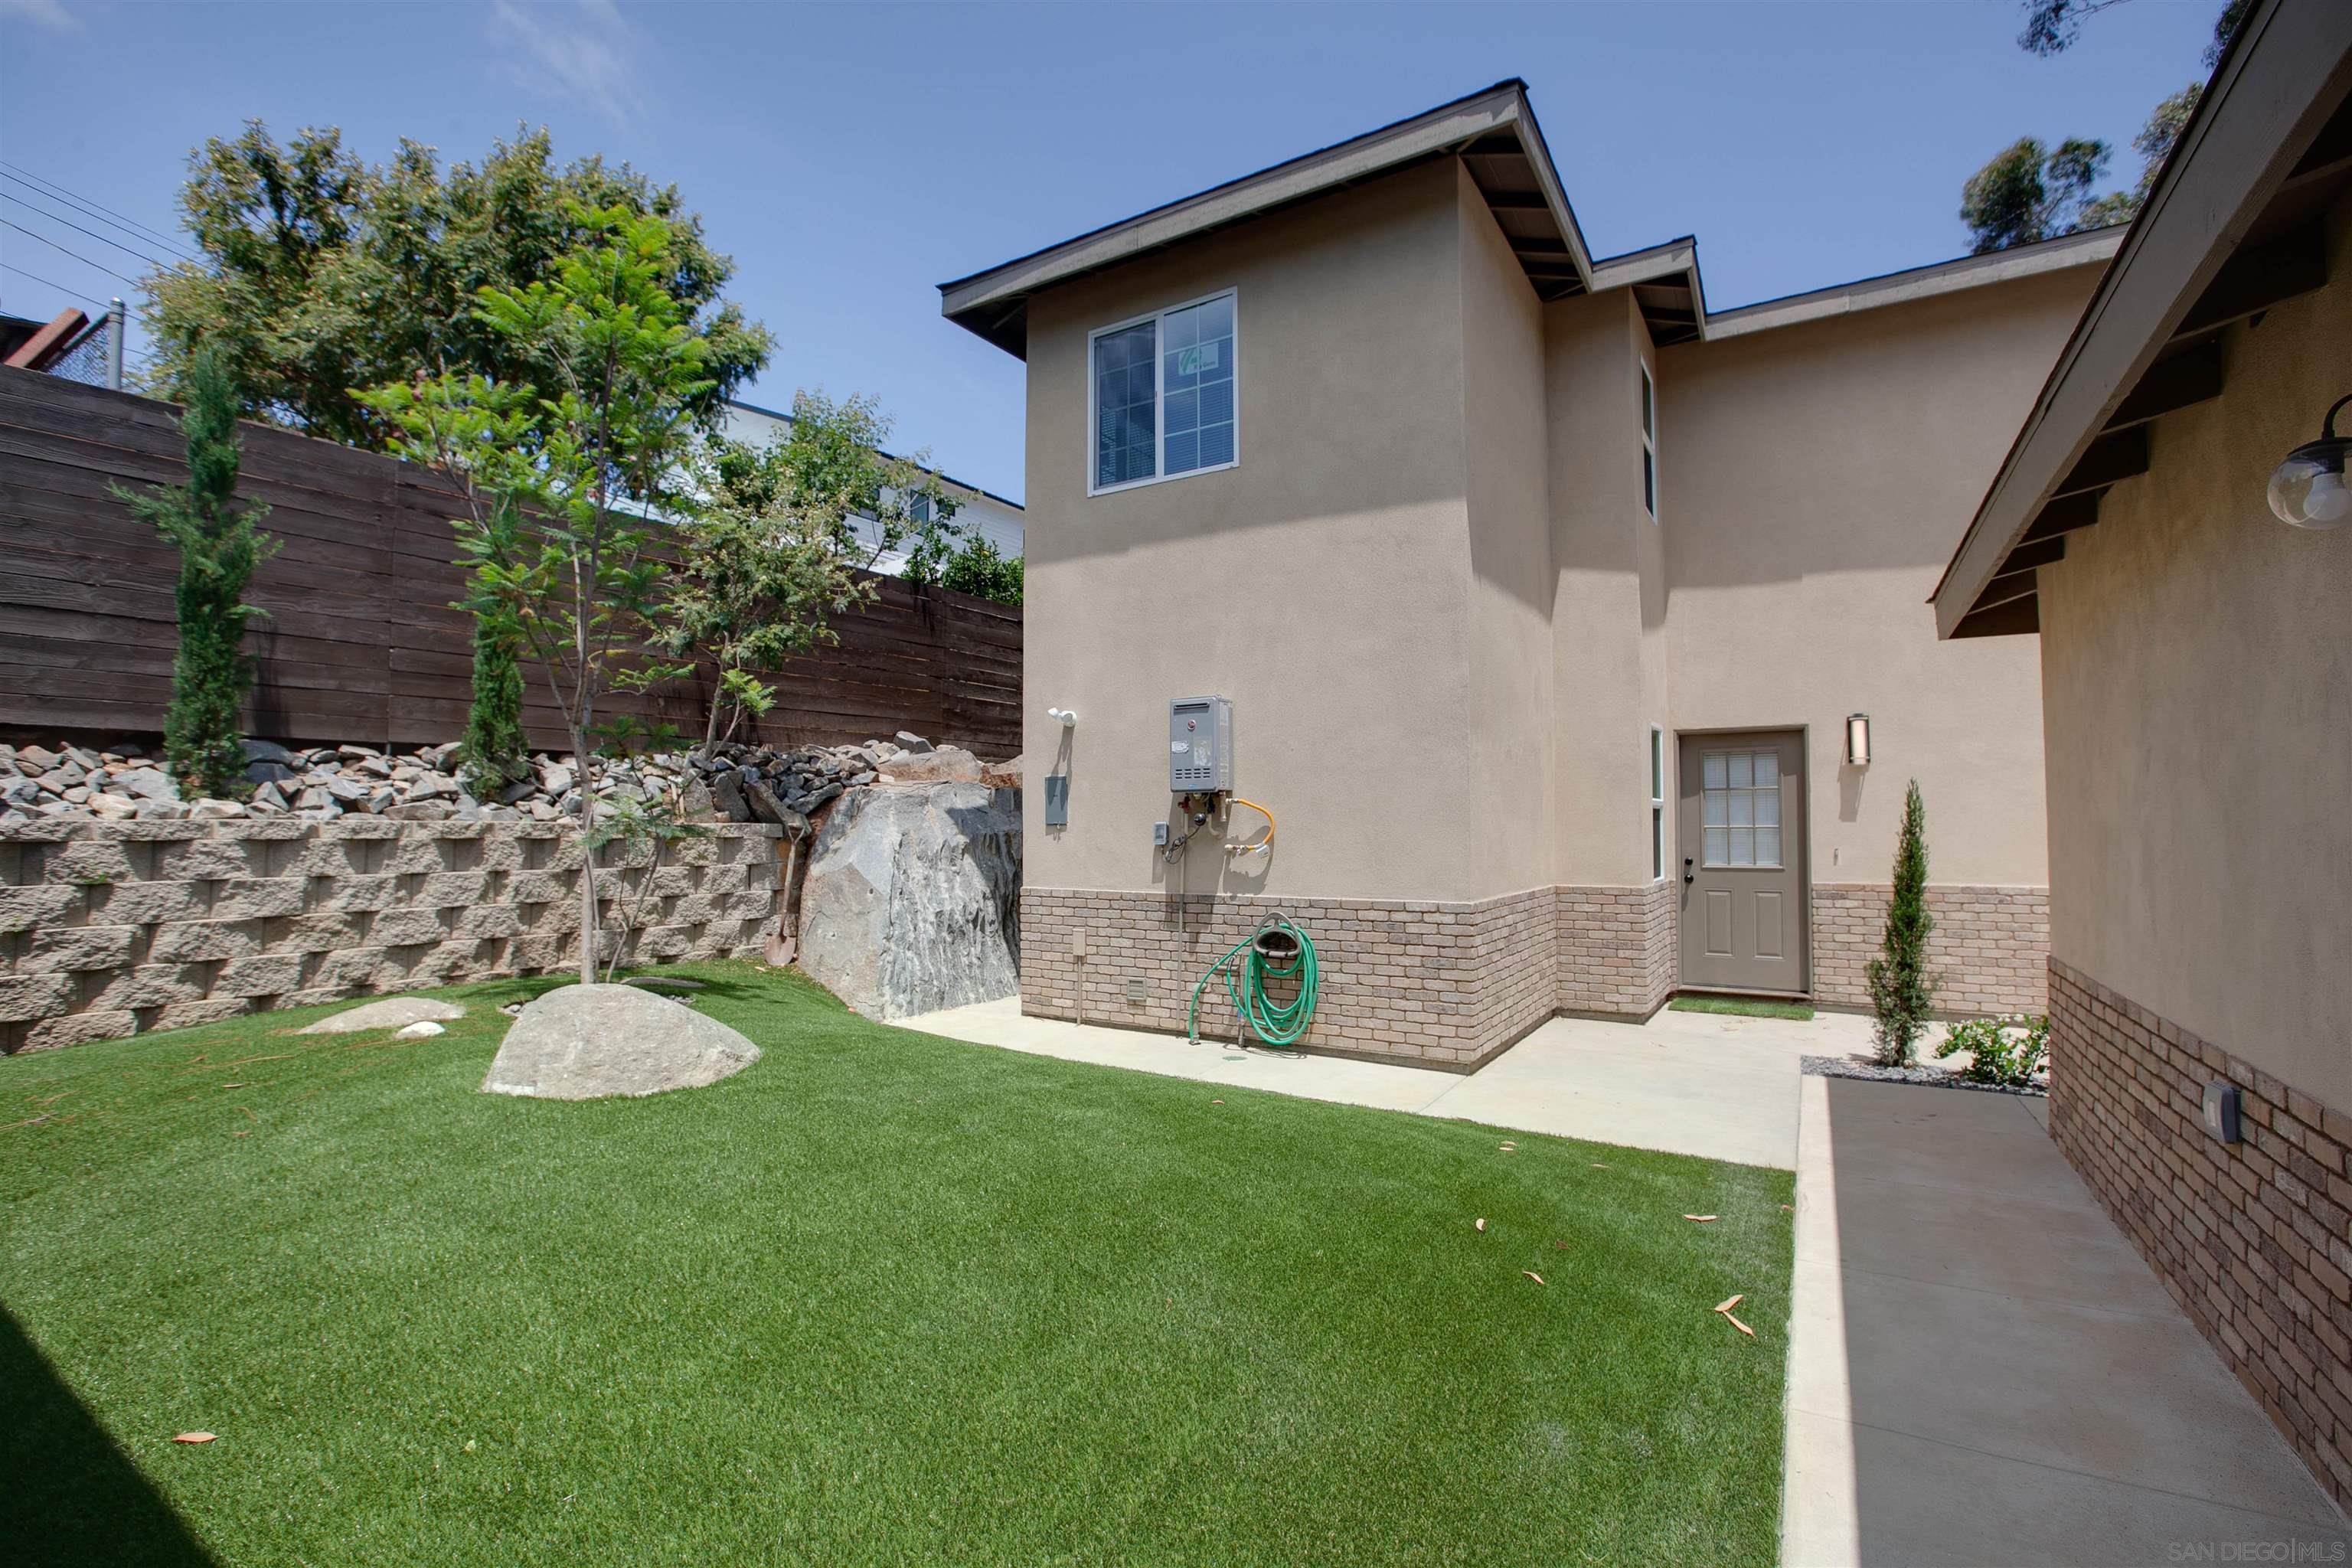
[(2251, 1237), (1991, 944), (1617, 951), (114, 929), (1443, 984)]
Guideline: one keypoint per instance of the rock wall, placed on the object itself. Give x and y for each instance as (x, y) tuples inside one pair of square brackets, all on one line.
[(911, 898), (109, 929)]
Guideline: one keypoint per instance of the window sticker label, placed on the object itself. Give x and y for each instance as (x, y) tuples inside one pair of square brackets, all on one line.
[(1194, 360)]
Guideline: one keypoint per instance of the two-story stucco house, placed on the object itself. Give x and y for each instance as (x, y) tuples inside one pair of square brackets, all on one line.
[(1577, 636)]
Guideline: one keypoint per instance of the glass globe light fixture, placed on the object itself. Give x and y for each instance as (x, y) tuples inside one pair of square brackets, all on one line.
[(2309, 490)]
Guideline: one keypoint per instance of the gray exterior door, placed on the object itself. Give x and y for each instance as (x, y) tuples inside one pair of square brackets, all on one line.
[(1741, 854)]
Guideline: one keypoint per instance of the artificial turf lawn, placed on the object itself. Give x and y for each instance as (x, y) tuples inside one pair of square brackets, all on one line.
[(1741, 1007), (878, 1298)]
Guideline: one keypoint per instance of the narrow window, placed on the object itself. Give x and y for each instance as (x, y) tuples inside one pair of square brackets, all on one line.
[(1649, 446), (1161, 392), (1657, 803)]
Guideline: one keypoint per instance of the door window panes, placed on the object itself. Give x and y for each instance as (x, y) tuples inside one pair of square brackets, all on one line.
[(1740, 809)]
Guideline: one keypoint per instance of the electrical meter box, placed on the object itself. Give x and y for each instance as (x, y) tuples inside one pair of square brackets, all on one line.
[(1200, 746)]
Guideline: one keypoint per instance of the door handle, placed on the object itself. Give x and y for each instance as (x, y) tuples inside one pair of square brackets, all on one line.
[(1688, 875)]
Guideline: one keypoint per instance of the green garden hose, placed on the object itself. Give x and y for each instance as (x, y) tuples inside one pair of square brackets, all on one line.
[(1278, 950)]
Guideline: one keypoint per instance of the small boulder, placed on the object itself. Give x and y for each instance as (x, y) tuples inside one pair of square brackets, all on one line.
[(146, 784), (589, 1042), (423, 1030), (391, 1012), (912, 742)]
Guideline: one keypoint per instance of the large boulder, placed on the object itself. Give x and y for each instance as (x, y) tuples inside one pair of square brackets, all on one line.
[(911, 901), (587, 1042)]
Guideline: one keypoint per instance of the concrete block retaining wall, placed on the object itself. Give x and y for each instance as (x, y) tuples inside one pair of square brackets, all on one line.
[(114, 929)]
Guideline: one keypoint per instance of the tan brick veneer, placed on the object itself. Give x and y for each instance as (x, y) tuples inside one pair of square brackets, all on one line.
[(1616, 950), (1991, 944), (111, 928), (1447, 984), (2251, 1237)]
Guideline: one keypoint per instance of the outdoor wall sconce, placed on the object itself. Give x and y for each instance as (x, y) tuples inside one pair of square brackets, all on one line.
[(1068, 717), (1857, 740), (2307, 490)]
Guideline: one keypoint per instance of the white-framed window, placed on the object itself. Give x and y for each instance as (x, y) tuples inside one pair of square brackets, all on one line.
[(1162, 395), (1649, 446), (1657, 803), (1740, 799)]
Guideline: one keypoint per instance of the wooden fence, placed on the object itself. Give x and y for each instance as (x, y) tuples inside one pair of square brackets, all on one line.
[(360, 644)]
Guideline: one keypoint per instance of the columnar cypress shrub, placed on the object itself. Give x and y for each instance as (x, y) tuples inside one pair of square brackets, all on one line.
[(1902, 992), (219, 548), (493, 752)]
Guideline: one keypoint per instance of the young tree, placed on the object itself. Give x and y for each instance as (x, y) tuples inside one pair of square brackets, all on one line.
[(777, 540), (219, 547), (321, 274), (1902, 992), (585, 460)]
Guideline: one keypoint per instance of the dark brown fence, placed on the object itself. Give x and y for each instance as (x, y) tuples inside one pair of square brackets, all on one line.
[(359, 644)]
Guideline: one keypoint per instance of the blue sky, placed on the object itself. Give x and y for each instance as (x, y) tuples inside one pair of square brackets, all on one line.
[(851, 158)]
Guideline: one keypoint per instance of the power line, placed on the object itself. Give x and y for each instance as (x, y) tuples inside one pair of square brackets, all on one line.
[(61, 251), (69, 293), (53, 217), (128, 225)]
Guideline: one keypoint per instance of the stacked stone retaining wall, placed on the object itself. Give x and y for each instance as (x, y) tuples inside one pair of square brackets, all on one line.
[(109, 929)]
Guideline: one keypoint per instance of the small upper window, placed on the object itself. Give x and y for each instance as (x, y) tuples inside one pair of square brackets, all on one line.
[(1161, 395), (1649, 446)]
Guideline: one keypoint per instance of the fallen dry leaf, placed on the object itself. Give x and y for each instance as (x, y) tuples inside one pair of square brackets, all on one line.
[(194, 1438), (1599, 1166), (1733, 1302), (1482, 1224), (1532, 1274), (1700, 1218), (1216, 1102), (240, 1132), (1507, 1147), (239, 1085), (1740, 1326), (1785, 1209)]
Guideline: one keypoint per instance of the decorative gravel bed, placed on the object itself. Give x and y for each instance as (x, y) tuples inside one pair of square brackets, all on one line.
[(1932, 1078)]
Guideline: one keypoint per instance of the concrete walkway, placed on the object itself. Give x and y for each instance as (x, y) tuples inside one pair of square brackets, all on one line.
[(1688, 1083), (1981, 1371)]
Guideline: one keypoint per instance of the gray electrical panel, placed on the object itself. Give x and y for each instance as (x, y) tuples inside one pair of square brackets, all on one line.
[(1200, 746)]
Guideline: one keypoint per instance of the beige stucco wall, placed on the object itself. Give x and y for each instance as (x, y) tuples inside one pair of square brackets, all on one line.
[(1608, 592), (1323, 583), (2197, 665), (1813, 479), (1509, 625)]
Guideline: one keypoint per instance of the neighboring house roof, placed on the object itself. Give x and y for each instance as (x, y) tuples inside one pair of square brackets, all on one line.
[(1495, 133), (2231, 229)]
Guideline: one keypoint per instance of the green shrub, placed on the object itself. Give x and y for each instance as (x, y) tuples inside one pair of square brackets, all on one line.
[(1902, 992), (219, 547), (2002, 1057)]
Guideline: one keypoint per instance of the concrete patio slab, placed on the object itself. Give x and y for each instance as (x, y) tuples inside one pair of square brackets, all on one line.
[(1687, 1083), (1982, 1370)]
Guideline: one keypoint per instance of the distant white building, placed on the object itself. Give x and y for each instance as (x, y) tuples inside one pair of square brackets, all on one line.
[(977, 512)]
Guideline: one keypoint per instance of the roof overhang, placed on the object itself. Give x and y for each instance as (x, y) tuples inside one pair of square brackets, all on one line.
[(1493, 132), (2229, 230)]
